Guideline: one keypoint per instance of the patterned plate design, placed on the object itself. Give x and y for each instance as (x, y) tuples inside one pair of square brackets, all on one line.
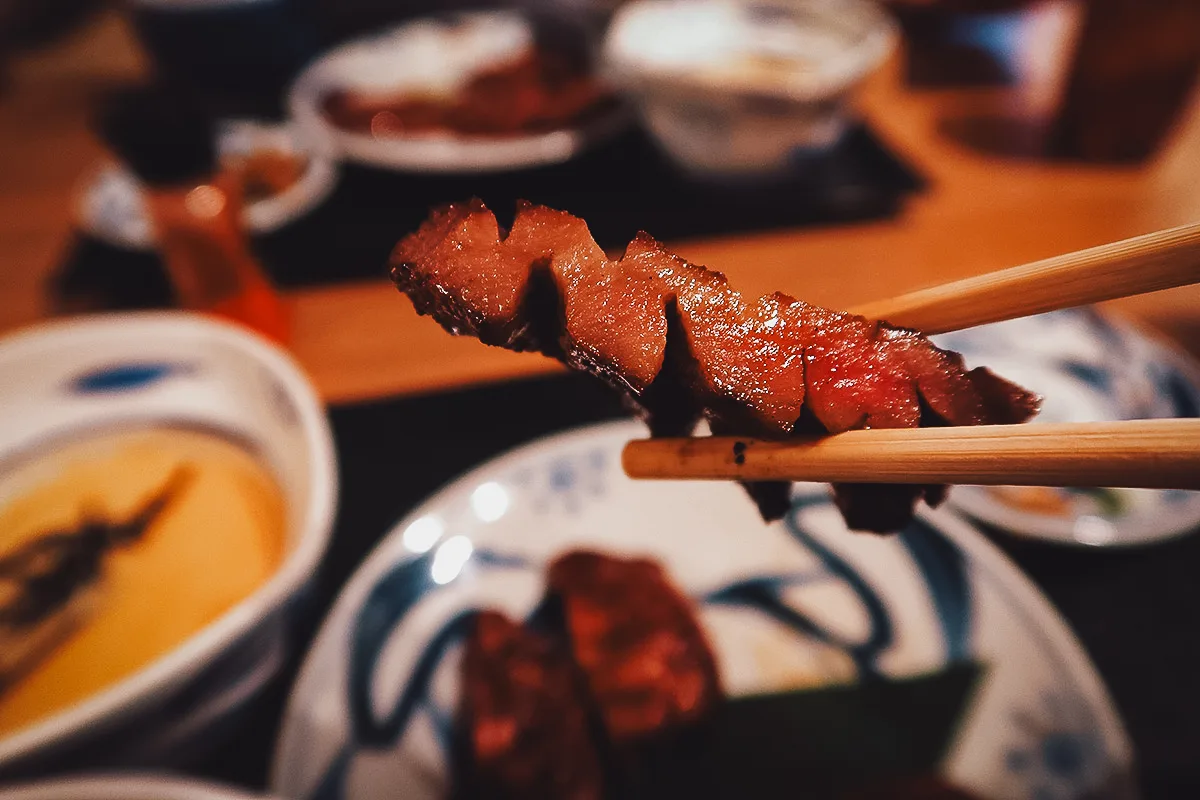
[(970, 667)]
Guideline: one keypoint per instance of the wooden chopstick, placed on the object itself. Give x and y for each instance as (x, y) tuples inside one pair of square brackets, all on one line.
[(1153, 454), (1142, 264)]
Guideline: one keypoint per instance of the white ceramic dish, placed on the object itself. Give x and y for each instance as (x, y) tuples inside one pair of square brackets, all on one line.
[(117, 786), (1088, 368), (95, 374), (435, 56), (110, 205), (734, 88), (361, 724)]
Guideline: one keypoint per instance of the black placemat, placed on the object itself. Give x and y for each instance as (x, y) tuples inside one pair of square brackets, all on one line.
[(620, 188), (1137, 612)]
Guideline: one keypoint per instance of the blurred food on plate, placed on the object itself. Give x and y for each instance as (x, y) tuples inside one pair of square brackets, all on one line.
[(467, 92), (612, 689), (265, 171), (537, 91), (1034, 499)]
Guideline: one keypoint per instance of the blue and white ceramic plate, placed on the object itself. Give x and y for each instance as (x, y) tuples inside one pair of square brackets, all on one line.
[(1089, 369), (802, 606)]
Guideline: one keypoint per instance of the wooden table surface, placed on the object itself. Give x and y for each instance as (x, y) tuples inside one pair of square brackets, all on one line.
[(363, 340)]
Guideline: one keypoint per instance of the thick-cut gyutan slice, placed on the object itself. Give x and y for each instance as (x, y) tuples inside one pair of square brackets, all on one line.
[(523, 725), (683, 344), (645, 660)]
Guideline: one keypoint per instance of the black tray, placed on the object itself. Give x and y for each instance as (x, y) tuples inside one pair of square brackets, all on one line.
[(620, 188)]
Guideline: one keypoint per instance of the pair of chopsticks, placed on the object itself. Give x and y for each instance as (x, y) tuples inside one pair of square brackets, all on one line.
[(1162, 454)]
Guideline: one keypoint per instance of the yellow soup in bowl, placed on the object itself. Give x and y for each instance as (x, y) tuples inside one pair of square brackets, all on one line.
[(116, 549)]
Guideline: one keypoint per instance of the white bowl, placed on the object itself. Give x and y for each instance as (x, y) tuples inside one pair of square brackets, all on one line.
[(98, 373), (119, 786), (801, 605), (110, 205), (744, 88), (435, 55)]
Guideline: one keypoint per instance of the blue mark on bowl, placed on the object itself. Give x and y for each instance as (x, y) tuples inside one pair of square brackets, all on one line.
[(125, 377)]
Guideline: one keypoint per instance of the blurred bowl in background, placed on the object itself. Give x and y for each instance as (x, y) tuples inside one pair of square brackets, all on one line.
[(65, 385), (118, 786), (408, 98), (745, 88), (285, 179)]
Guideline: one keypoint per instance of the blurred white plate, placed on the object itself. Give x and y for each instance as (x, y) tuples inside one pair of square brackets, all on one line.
[(435, 55), (366, 722), (1088, 368), (110, 205)]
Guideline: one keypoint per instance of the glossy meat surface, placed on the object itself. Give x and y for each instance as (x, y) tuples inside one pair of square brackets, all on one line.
[(524, 731), (644, 658), (684, 345)]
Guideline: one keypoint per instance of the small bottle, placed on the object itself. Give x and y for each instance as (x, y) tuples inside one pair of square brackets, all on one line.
[(195, 208)]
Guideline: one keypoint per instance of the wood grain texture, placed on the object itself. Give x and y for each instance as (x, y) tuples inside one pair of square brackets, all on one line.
[(362, 341), (1161, 260), (1153, 454)]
